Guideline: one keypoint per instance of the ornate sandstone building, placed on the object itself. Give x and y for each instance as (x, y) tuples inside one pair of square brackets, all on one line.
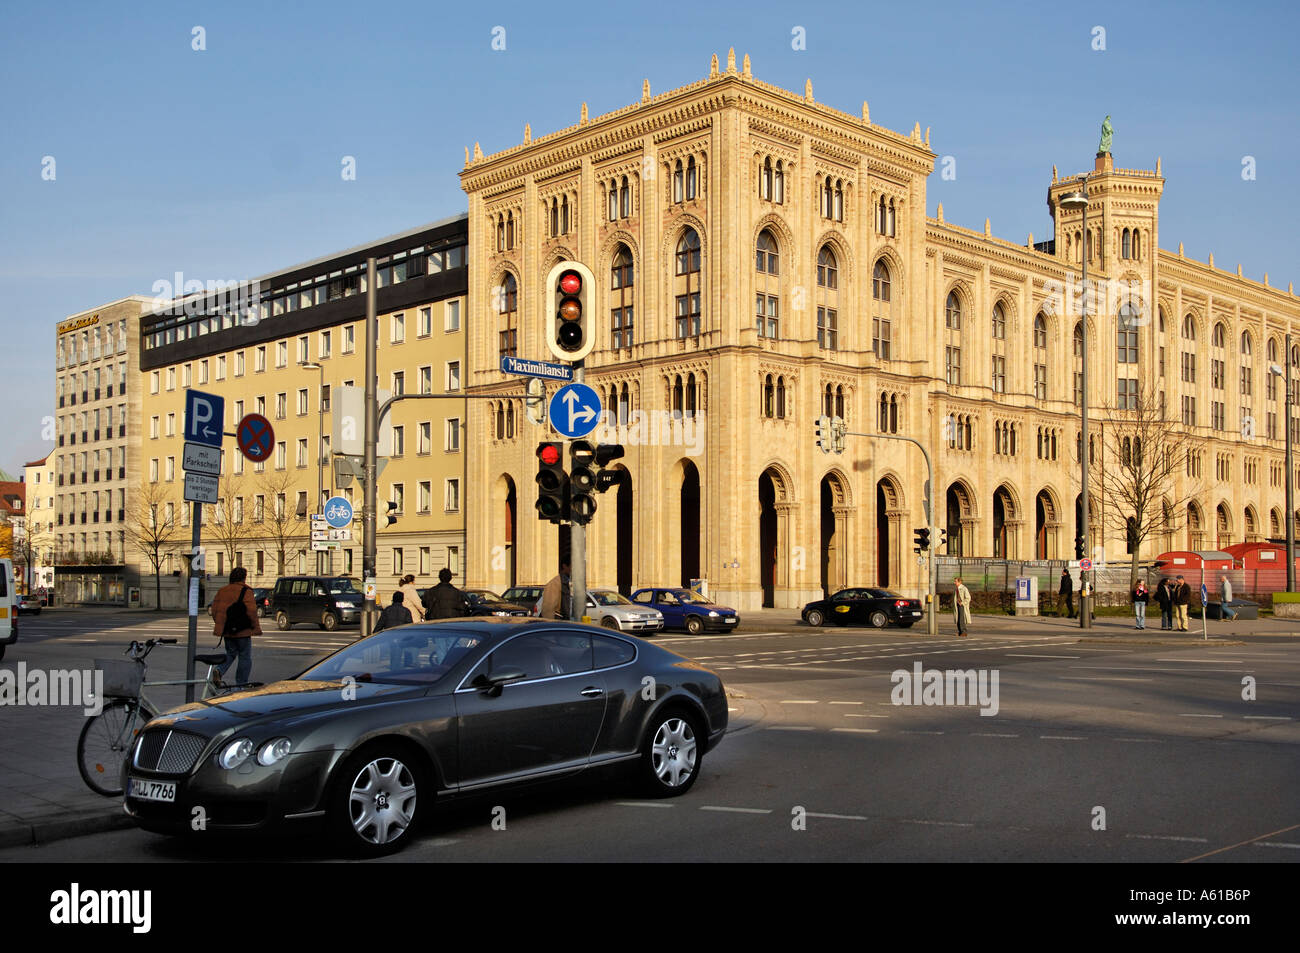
[(762, 259)]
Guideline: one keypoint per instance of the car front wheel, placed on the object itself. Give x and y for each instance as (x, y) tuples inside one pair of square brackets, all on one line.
[(329, 621), (672, 754), (282, 620), (815, 617), (694, 624), (375, 801), (879, 619), (610, 622)]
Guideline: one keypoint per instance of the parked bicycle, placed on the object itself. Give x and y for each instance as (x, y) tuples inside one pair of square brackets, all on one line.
[(106, 738)]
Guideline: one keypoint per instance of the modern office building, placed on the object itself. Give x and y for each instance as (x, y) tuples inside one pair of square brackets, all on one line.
[(38, 548), (764, 259)]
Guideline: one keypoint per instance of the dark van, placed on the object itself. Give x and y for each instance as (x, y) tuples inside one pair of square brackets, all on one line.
[(326, 601)]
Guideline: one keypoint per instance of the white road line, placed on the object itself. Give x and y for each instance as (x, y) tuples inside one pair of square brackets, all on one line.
[(1029, 655), (990, 734), (846, 703), (1063, 737), (1185, 715), (1235, 661), (737, 810), (791, 701), (1147, 741), (906, 820), (791, 728), (864, 731), (644, 804), (908, 731), (838, 817), (1103, 678), (1268, 717), (1186, 840), (1261, 843)]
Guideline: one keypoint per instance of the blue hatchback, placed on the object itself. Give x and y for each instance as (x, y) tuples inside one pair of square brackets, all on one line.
[(684, 609)]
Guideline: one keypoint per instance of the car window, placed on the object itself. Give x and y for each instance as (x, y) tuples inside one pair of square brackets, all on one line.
[(540, 655), (645, 597), (399, 656), (609, 651), (345, 587), (607, 598), (299, 587), (693, 598), (668, 599)]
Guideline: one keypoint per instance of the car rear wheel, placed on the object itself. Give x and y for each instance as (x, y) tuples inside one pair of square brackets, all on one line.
[(282, 620), (329, 621), (815, 617), (694, 624), (672, 754), (610, 622), (376, 801), (879, 619)]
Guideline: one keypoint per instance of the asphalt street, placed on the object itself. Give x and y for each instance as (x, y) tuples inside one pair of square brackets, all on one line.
[(1096, 752)]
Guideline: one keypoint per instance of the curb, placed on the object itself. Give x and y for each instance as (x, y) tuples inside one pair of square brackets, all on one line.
[(1182, 643), (22, 833)]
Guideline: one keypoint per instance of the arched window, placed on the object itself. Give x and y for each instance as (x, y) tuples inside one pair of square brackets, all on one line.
[(1189, 328), (500, 420), (508, 307), (679, 182), (767, 259), (555, 217), (678, 397), (827, 197), (780, 398), (613, 200), (769, 397), (1137, 244), (625, 198), (1126, 245), (510, 420), (1126, 340), (692, 396), (827, 300), (827, 268), (890, 231), (952, 312), (621, 283), (839, 201), (688, 253), (952, 345), (765, 179), (768, 293), (624, 405), (1247, 346), (999, 323), (1272, 350), (1220, 335), (882, 217), (778, 183), (690, 178), (501, 233), (686, 285), (1040, 357)]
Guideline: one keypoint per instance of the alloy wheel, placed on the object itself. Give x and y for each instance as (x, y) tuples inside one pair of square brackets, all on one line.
[(673, 752), (382, 801)]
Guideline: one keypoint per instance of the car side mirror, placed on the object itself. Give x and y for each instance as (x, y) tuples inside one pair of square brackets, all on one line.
[(496, 680)]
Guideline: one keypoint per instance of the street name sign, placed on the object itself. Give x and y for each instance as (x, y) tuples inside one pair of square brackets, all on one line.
[(543, 369)]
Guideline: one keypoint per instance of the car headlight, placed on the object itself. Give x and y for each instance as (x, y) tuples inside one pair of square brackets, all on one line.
[(273, 751), (713, 614), (503, 614), (343, 604), (235, 753)]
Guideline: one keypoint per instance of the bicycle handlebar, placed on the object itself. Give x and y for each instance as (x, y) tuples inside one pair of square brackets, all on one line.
[(139, 649)]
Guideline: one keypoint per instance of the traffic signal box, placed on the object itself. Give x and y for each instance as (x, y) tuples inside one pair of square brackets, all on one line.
[(552, 482), (922, 539), (570, 332), (570, 497)]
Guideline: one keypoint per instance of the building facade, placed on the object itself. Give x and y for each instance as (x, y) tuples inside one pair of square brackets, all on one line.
[(37, 550), (763, 259), (97, 406), (281, 346)]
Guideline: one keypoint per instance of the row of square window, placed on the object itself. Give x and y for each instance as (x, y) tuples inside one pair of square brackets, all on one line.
[(90, 342)]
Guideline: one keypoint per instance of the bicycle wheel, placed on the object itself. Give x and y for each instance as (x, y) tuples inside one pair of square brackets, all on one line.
[(106, 741)]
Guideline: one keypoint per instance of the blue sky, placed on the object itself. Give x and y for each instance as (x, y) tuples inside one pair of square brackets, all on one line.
[(225, 163)]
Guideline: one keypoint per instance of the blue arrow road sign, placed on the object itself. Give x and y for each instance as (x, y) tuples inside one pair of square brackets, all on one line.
[(575, 410), (542, 369), (205, 417), (338, 512), (1205, 594)]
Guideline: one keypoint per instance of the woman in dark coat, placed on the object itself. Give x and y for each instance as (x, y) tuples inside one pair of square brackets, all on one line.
[(1165, 596)]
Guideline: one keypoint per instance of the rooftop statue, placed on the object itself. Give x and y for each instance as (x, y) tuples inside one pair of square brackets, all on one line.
[(1106, 131)]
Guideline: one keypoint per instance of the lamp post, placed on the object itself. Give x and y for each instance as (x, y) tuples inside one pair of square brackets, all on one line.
[(320, 451), (1076, 201), (1290, 477)]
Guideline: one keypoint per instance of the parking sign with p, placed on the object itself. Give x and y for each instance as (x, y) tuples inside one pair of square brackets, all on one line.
[(205, 418)]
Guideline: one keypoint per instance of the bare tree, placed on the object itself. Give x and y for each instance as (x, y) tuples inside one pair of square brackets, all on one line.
[(229, 525), (1142, 450), (151, 528), (280, 518)]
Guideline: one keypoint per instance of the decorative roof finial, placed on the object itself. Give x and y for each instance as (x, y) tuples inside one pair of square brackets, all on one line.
[(745, 68), (1239, 275), (1266, 279), (478, 151), (1030, 243), (645, 90), (528, 133), (1054, 175), (866, 114), (713, 67), (988, 228), (927, 137), (582, 117), (1211, 262), (940, 214), (1157, 165), (467, 155), (731, 59), (916, 133), (1180, 249), (807, 90)]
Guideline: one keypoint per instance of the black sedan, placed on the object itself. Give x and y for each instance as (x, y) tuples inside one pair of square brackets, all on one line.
[(875, 607), (369, 739)]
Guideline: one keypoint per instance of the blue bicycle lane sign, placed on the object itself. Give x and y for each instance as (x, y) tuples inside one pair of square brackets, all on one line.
[(338, 512)]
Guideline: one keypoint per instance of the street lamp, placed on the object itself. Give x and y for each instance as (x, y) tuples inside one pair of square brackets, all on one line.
[(1290, 478), (1073, 202), (320, 448)]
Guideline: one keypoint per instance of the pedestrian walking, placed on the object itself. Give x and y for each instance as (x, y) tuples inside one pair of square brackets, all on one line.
[(1225, 589), (444, 601), (1066, 594), (557, 597), (1140, 597), (1165, 596), (395, 613), (1182, 599), (411, 598), (234, 617), (961, 607)]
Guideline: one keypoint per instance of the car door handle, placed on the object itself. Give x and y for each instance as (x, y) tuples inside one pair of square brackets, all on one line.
[(592, 692)]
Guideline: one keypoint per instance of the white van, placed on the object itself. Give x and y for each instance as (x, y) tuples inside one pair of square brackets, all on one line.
[(8, 606)]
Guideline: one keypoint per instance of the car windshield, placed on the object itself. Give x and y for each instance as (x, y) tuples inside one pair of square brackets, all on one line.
[(402, 656), (345, 587), (605, 597), (691, 598), (481, 595), (884, 594)]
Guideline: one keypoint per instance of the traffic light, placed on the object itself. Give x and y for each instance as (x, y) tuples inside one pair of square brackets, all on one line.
[(552, 482), (942, 542), (571, 332), (391, 519), (604, 454), (922, 539), (1078, 547), (824, 437), (582, 481), (839, 434)]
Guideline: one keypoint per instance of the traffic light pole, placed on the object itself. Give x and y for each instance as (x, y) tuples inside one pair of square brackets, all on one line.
[(578, 543), (932, 574), (370, 544)]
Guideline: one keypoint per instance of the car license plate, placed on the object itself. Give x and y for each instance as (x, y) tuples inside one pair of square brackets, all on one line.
[(152, 790), (917, 612), (731, 621)]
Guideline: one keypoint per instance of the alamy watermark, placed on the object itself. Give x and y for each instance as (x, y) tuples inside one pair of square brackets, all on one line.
[(657, 428), (190, 296), (37, 687), (948, 687)]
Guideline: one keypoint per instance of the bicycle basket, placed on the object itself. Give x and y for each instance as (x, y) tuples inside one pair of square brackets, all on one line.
[(122, 677)]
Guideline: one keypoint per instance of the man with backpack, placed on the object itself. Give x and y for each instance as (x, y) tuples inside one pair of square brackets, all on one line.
[(234, 611)]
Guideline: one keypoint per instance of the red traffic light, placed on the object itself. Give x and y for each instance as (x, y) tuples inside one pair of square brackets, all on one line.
[(570, 282), (549, 454)]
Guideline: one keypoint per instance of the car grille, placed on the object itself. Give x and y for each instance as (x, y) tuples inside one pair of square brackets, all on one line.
[(169, 752)]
